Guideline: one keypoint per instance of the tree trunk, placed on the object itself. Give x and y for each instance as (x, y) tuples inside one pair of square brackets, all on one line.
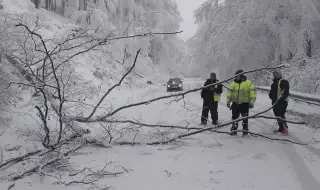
[(47, 5), (36, 3), (309, 48)]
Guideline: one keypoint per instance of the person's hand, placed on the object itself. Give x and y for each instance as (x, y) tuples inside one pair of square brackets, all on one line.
[(228, 105), (251, 106)]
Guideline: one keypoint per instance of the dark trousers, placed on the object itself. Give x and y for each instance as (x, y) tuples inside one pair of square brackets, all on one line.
[(279, 110), (238, 109), (211, 106)]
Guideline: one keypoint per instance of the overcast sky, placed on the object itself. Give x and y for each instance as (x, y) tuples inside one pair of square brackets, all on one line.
[(186, 8)]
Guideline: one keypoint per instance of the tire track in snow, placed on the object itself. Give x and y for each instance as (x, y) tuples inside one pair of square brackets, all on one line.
[(306, 178), (304, 175)]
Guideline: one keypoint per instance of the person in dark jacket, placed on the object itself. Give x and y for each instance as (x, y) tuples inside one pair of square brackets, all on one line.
[(211, 97), (280, 90)]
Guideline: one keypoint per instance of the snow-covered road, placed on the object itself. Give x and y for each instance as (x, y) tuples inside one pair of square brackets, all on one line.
[(208, 160)]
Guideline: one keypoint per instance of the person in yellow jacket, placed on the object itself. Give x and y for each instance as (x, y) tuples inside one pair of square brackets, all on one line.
[(242, 95)]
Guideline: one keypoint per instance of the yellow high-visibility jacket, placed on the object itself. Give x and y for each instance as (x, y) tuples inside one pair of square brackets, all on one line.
[(243, 92)]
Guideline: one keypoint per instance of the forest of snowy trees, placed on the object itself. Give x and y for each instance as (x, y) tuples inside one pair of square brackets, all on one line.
[(251, 34), (129, 17)]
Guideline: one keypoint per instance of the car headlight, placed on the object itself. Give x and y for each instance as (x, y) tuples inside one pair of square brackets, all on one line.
[(168, 85), (180, 85)]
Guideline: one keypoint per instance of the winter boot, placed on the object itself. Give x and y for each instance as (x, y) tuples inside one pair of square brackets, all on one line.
[(203, 123), (245, 129), (214, 122), (285, 128), (233, 129)]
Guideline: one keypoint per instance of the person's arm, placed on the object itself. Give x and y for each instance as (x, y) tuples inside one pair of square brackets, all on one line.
[(270, 94), (218, 89), (252, 94), (284, 86), (204, 90), (229, 93)]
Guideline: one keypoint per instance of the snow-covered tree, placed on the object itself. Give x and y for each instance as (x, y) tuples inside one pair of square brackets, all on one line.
[(128, 17), (249, 34)]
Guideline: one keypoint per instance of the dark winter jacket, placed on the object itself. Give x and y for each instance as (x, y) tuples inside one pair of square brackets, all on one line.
[(284, 85), (207, 93)]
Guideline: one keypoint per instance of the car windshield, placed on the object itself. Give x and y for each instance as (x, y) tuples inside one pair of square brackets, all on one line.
[(175, 80)]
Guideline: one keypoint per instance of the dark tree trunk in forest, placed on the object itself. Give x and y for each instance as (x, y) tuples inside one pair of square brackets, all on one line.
[(36, 3), (309, 48), (47, 4), (63, 5), (83, 5)]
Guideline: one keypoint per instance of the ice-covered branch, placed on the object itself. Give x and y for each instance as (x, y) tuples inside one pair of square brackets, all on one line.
[(54, 71), (212, 129), (263, 136), (114, 86), (182, 94)]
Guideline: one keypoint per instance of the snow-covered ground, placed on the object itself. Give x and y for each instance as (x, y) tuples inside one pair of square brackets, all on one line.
[(203, 161)]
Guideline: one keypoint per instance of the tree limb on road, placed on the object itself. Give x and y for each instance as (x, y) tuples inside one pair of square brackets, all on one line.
[(100, 119), (263, 136), (213, 129)]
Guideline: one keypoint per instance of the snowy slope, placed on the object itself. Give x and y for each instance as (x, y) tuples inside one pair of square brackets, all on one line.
[(254, 34)]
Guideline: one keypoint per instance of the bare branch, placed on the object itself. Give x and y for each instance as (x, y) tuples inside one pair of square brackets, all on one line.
[(92, 177), (144, 35), (46, 140), (20, 158), (263, 136), (150, 125), (116, 85), (36, 168), (1, 155), (281, 119), (47, 52), (176, 95), (100, 42)]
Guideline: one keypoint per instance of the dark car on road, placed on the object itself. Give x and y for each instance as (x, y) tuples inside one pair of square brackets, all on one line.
[(174, 84)]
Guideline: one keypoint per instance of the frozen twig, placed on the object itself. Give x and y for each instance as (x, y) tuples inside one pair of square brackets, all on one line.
[(78, 172), (20, 158), (281, 119), (315, 140), (143, 35), (41, 152), (263, 136), (54, 71), (92, 177), (36, 168), (114, 86), (1, 155), (46, 139), (11, 186)]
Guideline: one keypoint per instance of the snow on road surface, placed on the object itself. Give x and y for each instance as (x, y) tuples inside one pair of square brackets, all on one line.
[(204, 161)]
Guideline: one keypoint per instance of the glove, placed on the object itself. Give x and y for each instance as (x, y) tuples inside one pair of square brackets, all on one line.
[(211, 88), (228, 105), (251, 106)]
